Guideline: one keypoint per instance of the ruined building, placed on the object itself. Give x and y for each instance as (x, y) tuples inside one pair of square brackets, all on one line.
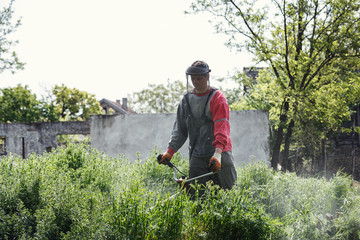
[(26, 138)]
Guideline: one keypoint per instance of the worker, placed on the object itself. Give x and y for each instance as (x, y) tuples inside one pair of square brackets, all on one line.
[(203, 116)]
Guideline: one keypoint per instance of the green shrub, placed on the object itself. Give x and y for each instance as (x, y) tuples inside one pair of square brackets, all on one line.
[(234, 215), (76, 192)]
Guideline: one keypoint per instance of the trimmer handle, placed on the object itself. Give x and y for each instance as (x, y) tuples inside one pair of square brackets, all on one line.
[(212, 164), (167, 161)]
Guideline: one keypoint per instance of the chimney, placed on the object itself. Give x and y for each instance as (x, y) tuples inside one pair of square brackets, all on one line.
[(118, 102), (124, 104)]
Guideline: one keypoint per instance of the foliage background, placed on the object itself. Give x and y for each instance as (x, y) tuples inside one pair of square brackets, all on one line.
[(311, 51), (158, 98), (19, 104)]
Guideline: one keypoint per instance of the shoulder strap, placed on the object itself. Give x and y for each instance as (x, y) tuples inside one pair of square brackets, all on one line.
[(207, 101), (188, 104)]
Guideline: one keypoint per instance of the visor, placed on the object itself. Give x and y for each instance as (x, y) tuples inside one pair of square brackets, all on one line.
[(197, 70)]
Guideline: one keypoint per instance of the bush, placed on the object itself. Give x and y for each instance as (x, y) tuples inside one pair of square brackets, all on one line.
[(234, 215), (79, 193)]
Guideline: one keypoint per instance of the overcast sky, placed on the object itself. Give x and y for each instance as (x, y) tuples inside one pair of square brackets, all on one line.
[(112, 48)]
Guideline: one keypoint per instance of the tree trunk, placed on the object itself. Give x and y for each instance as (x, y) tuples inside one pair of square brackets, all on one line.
[(323, 164), (353, 147), (286, 163), (276, 150), (313, 161), (299, 161), (279, 135)]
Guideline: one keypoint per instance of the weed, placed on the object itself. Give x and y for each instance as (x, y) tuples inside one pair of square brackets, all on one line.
[(79, 193)]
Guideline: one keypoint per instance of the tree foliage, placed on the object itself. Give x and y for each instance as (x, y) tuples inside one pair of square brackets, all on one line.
[(312, 50), (18, 104), (317, 117), (8, 58), (73, 104), (158, 98)]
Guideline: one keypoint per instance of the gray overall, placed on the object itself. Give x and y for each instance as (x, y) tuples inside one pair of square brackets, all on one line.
[(194, 121)]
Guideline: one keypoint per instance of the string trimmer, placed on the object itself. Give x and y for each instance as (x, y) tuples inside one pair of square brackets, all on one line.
[(183, 181)]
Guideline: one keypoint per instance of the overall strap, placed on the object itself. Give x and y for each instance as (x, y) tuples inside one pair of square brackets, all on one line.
[(206, 103), (188, 104)]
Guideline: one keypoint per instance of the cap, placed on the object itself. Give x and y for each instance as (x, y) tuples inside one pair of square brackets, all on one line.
[(198, 68)]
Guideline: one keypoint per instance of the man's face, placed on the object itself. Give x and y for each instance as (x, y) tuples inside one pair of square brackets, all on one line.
[(200, 83)]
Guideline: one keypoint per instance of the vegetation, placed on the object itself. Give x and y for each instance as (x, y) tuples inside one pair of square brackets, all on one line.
[(18, 104), (312, 50), (319, 117), (73, 104), (78, 193), (8, 58), (158, 98)]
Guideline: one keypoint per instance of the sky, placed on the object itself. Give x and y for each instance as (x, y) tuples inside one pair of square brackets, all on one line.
[(112, 48)]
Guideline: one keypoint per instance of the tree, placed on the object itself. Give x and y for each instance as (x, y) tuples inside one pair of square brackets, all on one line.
[(158, 98), (309, 46), (319, 115), (18, 104), (73, 104), (8, 58)]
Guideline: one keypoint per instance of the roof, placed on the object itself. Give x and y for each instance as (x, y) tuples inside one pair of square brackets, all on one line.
[(252, 72), (117, 107)]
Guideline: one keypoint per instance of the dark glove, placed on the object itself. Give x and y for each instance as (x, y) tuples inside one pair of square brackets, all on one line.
[(215, 162), (164, 158)]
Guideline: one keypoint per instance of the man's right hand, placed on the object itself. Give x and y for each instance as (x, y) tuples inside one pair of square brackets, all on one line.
[(164, 158)]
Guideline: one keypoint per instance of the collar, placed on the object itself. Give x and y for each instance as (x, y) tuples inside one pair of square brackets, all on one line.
[(202, 94)]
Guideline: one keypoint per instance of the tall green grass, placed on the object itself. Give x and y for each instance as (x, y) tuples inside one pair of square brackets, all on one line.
[(79, 193)]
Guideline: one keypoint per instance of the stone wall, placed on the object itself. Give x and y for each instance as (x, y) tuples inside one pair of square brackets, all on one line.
[(346, 159), (26, 138), (135, 135), (139, 134)]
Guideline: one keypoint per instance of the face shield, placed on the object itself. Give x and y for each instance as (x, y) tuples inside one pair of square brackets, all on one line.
[(200, 69)]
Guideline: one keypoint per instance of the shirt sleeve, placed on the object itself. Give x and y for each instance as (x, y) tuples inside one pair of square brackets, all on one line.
[(179, 133), (219, 110)]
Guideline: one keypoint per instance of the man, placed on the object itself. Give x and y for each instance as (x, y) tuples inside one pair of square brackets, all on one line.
[(203, 116)]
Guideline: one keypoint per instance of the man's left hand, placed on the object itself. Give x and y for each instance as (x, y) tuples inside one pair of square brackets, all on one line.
[(215, 162)]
